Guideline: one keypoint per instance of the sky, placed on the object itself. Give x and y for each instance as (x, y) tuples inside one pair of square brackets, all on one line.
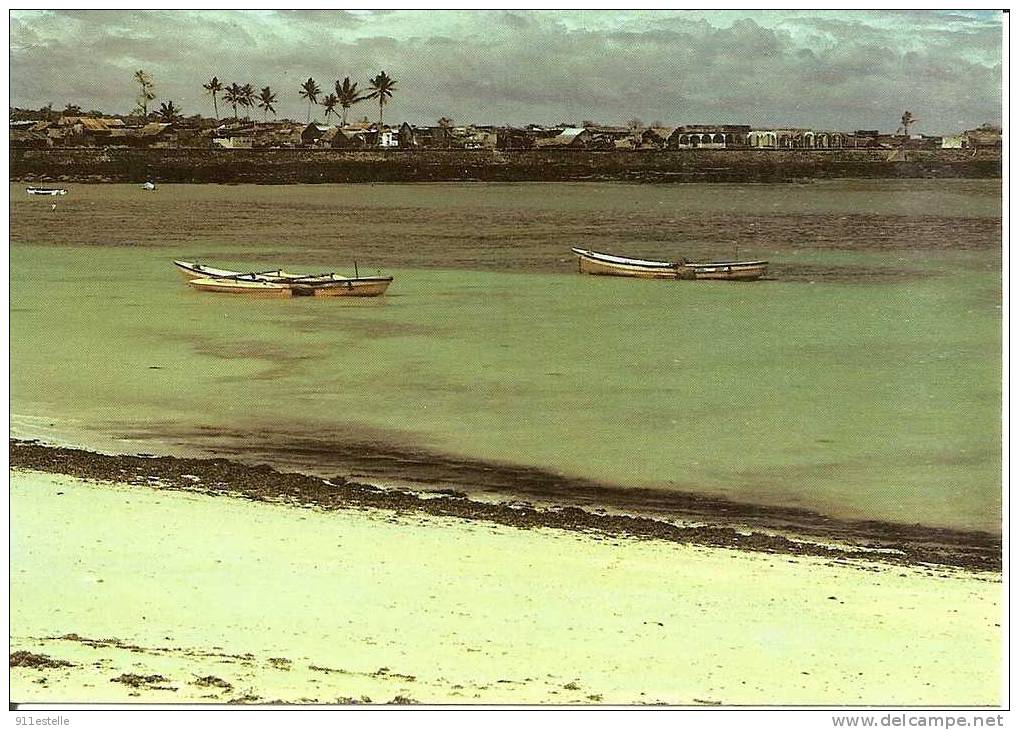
[(826, 69)]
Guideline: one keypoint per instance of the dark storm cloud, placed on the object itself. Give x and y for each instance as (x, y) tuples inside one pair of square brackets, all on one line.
[(829, 69)]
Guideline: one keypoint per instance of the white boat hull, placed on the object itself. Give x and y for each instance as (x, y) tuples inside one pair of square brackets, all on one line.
[(601, 264), (280, 283)]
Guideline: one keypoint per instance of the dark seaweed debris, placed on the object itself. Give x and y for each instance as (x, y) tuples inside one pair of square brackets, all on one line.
[(149, 681), (974, 551), (37, 661)]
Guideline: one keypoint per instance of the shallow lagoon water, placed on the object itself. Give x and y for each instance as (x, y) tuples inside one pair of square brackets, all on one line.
[(863, 383)]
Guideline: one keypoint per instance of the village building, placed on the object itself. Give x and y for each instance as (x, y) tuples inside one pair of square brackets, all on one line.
[(511, 138), (713, 136), (476, 138), (26, 137), (407, 136), (349, 138), (986, 135), (795, 138), (605, 137), (31, 133), (80, 131), (865, 138), (278, 135), (385, 137), (828, 139), (653, 138), (439, 137), (313, 133), (924, 142), (240, 142), (575, 137), (153, 134)]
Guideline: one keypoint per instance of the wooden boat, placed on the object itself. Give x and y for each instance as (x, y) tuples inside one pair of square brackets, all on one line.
[(205, 278), (363, 287), (46, 191), (194, 270), (592, 262), (251, 287)]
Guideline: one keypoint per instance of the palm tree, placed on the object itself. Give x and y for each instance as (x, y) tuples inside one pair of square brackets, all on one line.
[(382, 89), (266, 99), (247, 97), (233, 96), (907, 119), (348, 95), (214, 87), (330, 102), (310, 91), (169, 112), (147, 90)]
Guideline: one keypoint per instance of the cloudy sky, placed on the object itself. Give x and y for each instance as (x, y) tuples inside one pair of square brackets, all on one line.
[(824, 69)]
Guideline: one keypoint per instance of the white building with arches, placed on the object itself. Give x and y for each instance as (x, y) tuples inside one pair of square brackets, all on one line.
[(795, 139)]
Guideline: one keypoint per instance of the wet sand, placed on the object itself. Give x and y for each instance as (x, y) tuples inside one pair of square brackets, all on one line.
[(146, 593)]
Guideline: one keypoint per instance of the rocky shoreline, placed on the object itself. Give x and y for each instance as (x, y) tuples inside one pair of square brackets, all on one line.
[(735, 527), (288, 166)]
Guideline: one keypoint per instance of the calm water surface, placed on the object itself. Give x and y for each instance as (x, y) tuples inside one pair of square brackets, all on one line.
[(862, 381)]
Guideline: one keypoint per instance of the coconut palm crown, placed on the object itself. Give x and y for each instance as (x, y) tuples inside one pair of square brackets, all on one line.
[(266, 102), (247, 97), (168, 112), (310, 91), (214, 87), (330, 103), (382, 89), (348, 95), (234, 95)]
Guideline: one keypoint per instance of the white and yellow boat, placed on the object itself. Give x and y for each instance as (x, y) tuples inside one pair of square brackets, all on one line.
[(194, 270), (280, 283), (603, 264), (251, 287)]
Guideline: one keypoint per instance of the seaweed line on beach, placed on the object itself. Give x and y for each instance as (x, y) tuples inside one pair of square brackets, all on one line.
[(263, 483)]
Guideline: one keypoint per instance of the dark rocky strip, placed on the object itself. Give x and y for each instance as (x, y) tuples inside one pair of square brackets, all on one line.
[(265, 484), (375, 166)]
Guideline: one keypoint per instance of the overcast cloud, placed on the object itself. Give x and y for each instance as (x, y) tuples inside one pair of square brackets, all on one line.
[(824, 69)]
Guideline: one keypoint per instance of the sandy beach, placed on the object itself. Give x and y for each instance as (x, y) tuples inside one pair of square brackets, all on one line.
[(133, 593)]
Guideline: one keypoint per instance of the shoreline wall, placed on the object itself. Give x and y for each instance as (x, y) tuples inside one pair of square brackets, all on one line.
[(367, 166)]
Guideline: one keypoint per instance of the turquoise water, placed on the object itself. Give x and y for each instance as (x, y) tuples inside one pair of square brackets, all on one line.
[(861, 396)]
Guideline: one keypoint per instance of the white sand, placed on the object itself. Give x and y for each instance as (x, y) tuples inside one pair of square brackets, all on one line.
[(464, 612)]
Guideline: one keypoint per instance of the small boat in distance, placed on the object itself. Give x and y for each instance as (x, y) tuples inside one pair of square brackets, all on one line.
[(148, 185), (280, 283), (45, 191), (603, 264)]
